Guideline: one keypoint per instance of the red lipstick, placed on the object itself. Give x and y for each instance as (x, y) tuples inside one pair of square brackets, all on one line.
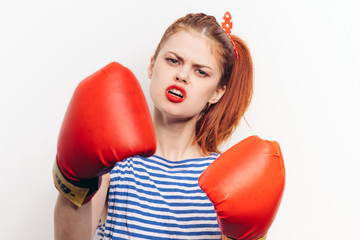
[(175, 93)]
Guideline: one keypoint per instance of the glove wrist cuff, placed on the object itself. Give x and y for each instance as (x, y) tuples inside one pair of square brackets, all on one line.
[(77, 192), (229, 238)]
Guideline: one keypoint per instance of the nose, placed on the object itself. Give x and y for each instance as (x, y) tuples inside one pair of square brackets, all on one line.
[(182, 76)]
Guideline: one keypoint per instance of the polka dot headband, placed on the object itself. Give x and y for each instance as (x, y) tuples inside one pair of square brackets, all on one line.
[(227, 27)]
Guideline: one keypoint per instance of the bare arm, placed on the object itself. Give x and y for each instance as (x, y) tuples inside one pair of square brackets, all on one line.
[(78, 223)]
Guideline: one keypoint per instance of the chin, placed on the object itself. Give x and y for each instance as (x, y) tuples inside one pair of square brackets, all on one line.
[(177, 113)]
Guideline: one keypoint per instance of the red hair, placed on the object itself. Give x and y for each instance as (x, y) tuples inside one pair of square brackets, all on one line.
[(218, 121)]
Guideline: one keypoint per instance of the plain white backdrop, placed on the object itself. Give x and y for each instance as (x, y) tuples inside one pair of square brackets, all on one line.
[(307, 94)]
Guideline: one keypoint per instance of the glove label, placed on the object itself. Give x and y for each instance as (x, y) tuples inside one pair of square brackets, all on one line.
[(75, 194)]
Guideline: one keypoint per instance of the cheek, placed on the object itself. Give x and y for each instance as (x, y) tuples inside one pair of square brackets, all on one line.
[(157, 87), (205, 93), (154, 90)]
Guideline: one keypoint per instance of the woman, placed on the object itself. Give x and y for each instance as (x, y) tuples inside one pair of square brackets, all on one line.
[(201, 86)]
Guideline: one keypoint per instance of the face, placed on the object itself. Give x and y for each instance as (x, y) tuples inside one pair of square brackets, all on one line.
[(185, 75)]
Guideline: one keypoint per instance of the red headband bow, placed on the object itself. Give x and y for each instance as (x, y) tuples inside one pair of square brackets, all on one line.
[(227, 27)]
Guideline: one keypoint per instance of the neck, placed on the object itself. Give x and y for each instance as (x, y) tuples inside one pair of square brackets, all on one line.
[(175, 137)]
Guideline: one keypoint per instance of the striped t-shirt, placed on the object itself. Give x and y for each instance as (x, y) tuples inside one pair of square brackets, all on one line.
[(154, 198)]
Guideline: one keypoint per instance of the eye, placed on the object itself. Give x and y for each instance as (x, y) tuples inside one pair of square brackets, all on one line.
[(202, 73), (172, 61)]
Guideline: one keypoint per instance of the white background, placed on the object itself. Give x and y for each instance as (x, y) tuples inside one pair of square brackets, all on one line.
[(307, 94)]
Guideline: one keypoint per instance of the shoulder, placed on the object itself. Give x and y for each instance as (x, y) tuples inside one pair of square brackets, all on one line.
[(213, 156)]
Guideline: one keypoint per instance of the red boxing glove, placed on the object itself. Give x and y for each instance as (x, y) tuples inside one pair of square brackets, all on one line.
[(107, 121), (246, 184)]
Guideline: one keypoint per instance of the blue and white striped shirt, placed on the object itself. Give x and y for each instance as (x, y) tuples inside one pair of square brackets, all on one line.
[(154, 198)]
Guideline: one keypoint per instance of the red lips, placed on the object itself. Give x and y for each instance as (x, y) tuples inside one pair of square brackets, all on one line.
[(175, 93)]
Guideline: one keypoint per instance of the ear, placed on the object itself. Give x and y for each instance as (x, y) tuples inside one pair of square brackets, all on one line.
[(219, 92), (151, 67)]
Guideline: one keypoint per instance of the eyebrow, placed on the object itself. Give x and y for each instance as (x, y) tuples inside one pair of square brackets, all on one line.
[(195, 65)]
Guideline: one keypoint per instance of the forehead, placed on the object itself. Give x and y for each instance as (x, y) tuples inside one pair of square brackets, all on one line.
[(193, 46)]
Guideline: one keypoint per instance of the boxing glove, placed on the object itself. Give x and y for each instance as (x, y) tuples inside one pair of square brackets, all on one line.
[(107, 120), (246, 185)]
